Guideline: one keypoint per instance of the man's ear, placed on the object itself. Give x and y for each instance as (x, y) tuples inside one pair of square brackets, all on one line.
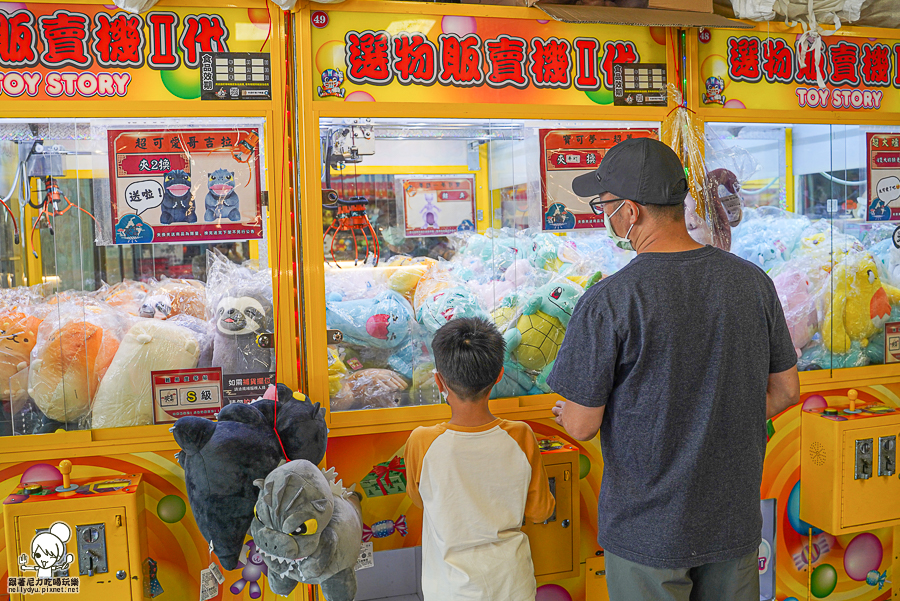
[(500, 377)]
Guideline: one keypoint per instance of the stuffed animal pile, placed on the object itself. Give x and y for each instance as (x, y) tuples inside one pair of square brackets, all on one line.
[(78, 359)]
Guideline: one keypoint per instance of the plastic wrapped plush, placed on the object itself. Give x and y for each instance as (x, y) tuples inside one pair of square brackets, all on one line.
[(175, 297), (125, 396), (75, 346), (18, 335)]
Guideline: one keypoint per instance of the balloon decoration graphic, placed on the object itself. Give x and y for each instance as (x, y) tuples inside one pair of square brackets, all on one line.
[(330, 56), (793, 513), (584, 466), (734, 103), (714, 66), (552, 592), (182, 82), (823, 581), (259, 17), (41, 472), (459, 25), (659, 35), (359, 96), (863, 555), (601, 96), (171, 509), (814, 401)]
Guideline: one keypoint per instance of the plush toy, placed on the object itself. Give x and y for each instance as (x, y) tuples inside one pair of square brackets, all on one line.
[(127, 296), (18, 335), (371, 388), (860, 303), (816, 356), (402, 274), (424, 390), (252, 569), (308, 529), (337, 369), (535, 338), (798, 305), (67, 365), (762, 253), (887, 258), (240, 317), (178, 201), (221, 459), (175, 297), (515, 382), (125, 395), (221, 201), (450, 303), (380, 322), (700, 229)]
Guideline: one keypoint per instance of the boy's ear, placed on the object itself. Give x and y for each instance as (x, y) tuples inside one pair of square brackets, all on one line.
[(500, 377)]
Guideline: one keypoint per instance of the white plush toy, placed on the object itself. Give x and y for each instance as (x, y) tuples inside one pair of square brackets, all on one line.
[(125, 395)]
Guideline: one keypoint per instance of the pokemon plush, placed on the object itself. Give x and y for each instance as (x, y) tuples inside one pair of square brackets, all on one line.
[(337, 369), (178, 201), (380, 322), (221, 201), (450, 303), (174, 297), (860, 303), (371, 389), (798, 305), (221, 460), (515, 382), (18, 335), (535, 338), (68, 363), (402, 274), (240, 317), (125, 396), (308, 528)]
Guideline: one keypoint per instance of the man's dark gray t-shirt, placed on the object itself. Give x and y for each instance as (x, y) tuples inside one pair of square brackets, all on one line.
[(679, 348)]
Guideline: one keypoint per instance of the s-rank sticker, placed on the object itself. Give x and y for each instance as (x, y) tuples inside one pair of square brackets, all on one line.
[(892, 342), (235, 76), (51, 561), (181, 392)]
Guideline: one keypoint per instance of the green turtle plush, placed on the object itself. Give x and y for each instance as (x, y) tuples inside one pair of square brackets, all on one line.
[(535, 338)]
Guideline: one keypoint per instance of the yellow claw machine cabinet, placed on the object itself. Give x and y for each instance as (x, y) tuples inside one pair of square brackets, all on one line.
[(438, 145), (807, 126), (144, 220)]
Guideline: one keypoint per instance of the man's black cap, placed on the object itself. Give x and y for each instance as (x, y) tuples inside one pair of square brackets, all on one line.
[(640, 169)]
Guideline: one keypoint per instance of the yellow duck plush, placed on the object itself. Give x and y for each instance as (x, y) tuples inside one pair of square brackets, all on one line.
[(860, 306)]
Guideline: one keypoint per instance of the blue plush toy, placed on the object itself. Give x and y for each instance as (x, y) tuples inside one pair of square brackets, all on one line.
[(380, 322), (444, 305), (515, 382)]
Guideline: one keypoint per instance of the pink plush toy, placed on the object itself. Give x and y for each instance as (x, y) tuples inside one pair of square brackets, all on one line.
[(799, 306)]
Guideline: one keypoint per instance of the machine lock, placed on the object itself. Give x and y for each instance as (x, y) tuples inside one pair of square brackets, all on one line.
[(864, 451), (91, 549), (887, 455)]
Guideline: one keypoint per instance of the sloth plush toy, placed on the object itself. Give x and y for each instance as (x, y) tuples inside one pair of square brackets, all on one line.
[(241, 315)]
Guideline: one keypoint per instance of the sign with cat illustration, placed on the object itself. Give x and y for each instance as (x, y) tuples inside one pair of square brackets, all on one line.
[(190, 185)]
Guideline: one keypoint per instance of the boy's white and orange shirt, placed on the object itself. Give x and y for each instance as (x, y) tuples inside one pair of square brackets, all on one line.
[(475, 485)]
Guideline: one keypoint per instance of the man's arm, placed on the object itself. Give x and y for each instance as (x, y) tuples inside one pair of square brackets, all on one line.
[(582, 423), (782, 392)]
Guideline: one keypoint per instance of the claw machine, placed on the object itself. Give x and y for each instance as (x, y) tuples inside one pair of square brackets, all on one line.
[(437, 148), (805, 125), (144, 224)]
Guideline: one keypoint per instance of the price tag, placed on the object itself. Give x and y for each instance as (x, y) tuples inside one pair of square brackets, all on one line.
[(366, 557), (217, 573), (209, 586)]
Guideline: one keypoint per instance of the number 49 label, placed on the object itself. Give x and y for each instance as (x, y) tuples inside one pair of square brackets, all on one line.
[(319, 19)]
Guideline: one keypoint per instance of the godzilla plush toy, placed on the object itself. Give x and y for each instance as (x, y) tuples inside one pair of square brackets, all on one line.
[(178, 202), (222, 459), (222, 201), (308, 529)]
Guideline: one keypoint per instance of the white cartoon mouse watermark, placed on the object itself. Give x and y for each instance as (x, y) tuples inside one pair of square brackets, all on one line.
[(48, 551)]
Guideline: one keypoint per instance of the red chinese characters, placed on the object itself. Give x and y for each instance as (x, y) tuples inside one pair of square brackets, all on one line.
[(810, 63), (65, 39), (119, 40), (844, 60), (550, 63), (778, 61), (586, 73), (616, 52), (163, 53), (415, 59), (744, 59), (368, 57), (506, 62), (202, 33), (876, 65), (461, 62), (17, 43)]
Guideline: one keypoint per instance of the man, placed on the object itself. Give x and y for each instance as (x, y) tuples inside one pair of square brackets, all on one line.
[(677, 360)]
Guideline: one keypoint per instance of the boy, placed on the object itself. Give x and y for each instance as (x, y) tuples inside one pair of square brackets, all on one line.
[(475, 476)]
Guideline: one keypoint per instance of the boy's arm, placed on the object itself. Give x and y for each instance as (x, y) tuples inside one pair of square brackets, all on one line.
[(540, 503), (413, 456)]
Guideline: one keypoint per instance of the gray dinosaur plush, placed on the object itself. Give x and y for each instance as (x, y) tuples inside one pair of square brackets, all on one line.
[(308, 528), (222, 459)]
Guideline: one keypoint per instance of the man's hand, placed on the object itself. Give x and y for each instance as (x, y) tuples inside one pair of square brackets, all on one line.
[(782, 392), (582, 423)]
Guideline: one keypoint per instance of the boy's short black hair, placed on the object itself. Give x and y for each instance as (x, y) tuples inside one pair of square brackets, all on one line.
[(468, 353)]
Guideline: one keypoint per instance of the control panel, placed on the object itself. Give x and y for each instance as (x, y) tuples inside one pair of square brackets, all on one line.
[(82, 538), (848, 464)]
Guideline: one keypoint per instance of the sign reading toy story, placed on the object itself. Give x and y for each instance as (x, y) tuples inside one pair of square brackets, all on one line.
[(566, 154), (883, 173), (437, 205), (76, 52), (181, 392), (776, 71), (459, 59), (192, 185)]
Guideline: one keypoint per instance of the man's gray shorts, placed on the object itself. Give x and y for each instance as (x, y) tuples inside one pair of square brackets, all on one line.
[(735, 580)]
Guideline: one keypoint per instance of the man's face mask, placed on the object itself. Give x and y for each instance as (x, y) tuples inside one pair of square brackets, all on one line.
[(623, 243)]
